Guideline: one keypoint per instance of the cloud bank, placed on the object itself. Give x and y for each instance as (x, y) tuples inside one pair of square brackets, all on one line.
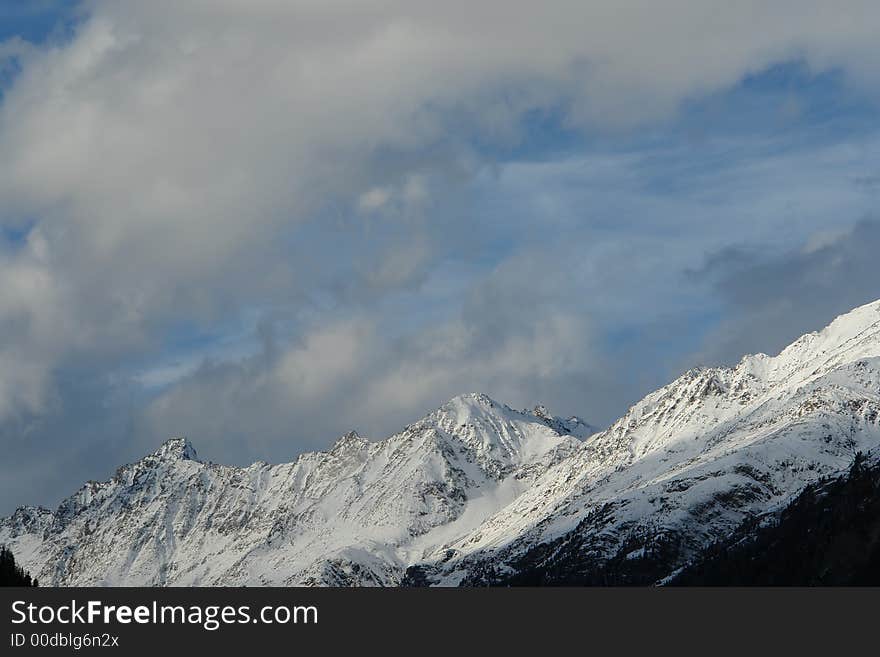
[(262, 223)]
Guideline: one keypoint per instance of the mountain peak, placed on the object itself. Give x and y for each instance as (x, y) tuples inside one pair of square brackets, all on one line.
[(473, 399), (849, 337), (573, 426), (348, 440), (474, 405), (464, 408), (541, 411), (177, 449)]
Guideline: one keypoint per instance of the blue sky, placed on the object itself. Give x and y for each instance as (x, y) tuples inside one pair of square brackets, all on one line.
[(35, 20), (263, 226)]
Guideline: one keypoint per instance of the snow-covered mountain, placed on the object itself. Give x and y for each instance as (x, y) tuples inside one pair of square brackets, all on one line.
[(477, 493), (357, 514), (686, 465)]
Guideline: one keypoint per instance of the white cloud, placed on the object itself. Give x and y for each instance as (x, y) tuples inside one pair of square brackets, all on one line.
[(168, 144), (374, 199), (183, 161), (326, 359)]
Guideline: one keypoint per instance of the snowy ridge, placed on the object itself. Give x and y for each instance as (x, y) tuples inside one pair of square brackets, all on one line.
[(478, 493), (691, 460), (356, 514)]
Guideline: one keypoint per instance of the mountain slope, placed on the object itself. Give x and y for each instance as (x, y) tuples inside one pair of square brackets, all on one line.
[(356, 514), (829, 535), (476, 493), (685, 467)]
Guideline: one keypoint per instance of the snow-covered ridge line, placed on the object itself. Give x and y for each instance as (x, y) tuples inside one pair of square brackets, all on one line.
[(172, 519), (476, 492), (691, 460)]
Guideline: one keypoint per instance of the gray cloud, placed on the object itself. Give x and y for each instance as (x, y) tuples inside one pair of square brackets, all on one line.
[(174, 167), (771, 299), (168, 146)]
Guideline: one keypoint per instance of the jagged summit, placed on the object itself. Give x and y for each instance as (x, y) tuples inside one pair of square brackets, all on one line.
[(178, 448), (477, 402), (499, 436), (461, 415), (349, 440), (468, 406), (541, 411), (479, 407), (572, 426)]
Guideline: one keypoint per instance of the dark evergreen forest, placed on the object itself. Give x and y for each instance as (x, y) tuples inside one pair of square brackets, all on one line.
[(11, 574)]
